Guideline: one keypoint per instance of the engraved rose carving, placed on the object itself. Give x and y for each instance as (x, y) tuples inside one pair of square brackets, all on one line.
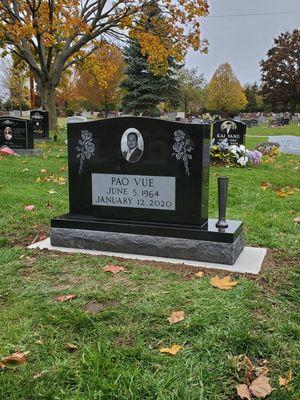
[(182, 147), (86, 148)]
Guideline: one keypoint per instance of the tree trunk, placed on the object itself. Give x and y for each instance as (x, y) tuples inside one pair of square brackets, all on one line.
[(48, 103), (52, 111), (106, 108)]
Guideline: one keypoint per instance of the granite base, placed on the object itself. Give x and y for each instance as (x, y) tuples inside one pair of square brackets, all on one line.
[(161, 246), (28, 152), (42, 139), (250, 260)]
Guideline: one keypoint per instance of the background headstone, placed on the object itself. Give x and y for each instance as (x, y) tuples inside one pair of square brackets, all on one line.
[(233, 131), (16, 133), (288, 144), (75, 119), (40, 120)]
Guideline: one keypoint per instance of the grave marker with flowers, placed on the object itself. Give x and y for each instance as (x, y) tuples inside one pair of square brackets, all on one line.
[(232, 130)]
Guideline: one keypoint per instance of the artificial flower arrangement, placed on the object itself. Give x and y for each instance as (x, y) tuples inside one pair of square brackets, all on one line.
[(223, 153), (270, 149)]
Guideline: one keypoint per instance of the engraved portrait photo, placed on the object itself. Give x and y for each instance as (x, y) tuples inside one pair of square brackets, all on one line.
[(8, 133), (132, 145), (228, 126)]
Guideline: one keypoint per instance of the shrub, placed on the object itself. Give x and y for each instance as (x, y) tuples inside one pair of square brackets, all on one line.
[(70, 112)]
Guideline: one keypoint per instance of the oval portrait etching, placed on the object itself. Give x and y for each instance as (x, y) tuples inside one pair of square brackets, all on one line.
[(132, 145), (8, 133), (228, 126)]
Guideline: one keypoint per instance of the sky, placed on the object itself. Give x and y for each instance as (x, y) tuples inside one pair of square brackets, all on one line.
[(243, 41)]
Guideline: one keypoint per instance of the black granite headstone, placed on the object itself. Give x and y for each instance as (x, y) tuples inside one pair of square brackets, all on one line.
[(232, 130), (40, 120), (16, 133), (152, 182), (134, 181)]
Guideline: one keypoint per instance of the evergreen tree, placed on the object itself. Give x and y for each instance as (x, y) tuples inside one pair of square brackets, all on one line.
[(254, 98), (144, 88)]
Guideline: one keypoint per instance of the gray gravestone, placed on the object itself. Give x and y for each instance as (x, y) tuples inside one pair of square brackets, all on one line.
[(288, 144), (75, 119)]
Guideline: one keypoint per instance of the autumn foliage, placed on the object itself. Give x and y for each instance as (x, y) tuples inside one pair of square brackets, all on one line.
[(50, 36), (224, 92), (281, 71), (100, 76)]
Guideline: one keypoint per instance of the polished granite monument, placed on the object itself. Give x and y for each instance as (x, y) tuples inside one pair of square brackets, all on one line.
[(140, 186), (232, 130), (17, 134), (40, 119)]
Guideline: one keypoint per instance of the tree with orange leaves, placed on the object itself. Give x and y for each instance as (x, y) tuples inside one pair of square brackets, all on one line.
[(224, 92), (67, 90), (52, 35), (100, 76)]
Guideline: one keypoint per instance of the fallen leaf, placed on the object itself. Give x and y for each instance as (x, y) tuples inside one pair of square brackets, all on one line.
[(173, 350), (199, 274), (287, 380), (290, 192), (223, 283), (264, 370), (176, 316), (264, 185), (29, 208), (14, 360), (25, 170), (243, 392), (43, 171), (71, 347), (52, 191), (261, 387), (244, 366), (39, 374), (292, 212), (113, 268), (49, 205), (65, 297), (281, 193), (39, 238), (297, 220)]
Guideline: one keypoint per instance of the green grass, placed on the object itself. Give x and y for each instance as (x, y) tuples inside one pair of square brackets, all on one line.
[(261, 133), (118, 349)]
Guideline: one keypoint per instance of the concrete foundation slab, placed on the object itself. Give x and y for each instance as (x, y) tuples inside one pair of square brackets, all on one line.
[(249, 261)]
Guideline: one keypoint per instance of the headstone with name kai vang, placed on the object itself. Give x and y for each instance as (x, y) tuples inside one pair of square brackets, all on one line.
[(140, 186), (288, 144), (231, 130), (17, 134), (40, 120)]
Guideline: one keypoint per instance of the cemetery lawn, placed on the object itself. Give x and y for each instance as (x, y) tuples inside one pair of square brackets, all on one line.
[(114, 353), (259, 134)]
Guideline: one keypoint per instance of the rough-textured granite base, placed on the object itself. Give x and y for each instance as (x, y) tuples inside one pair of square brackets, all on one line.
[(42, 140), (28, 152), (199, 250)]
